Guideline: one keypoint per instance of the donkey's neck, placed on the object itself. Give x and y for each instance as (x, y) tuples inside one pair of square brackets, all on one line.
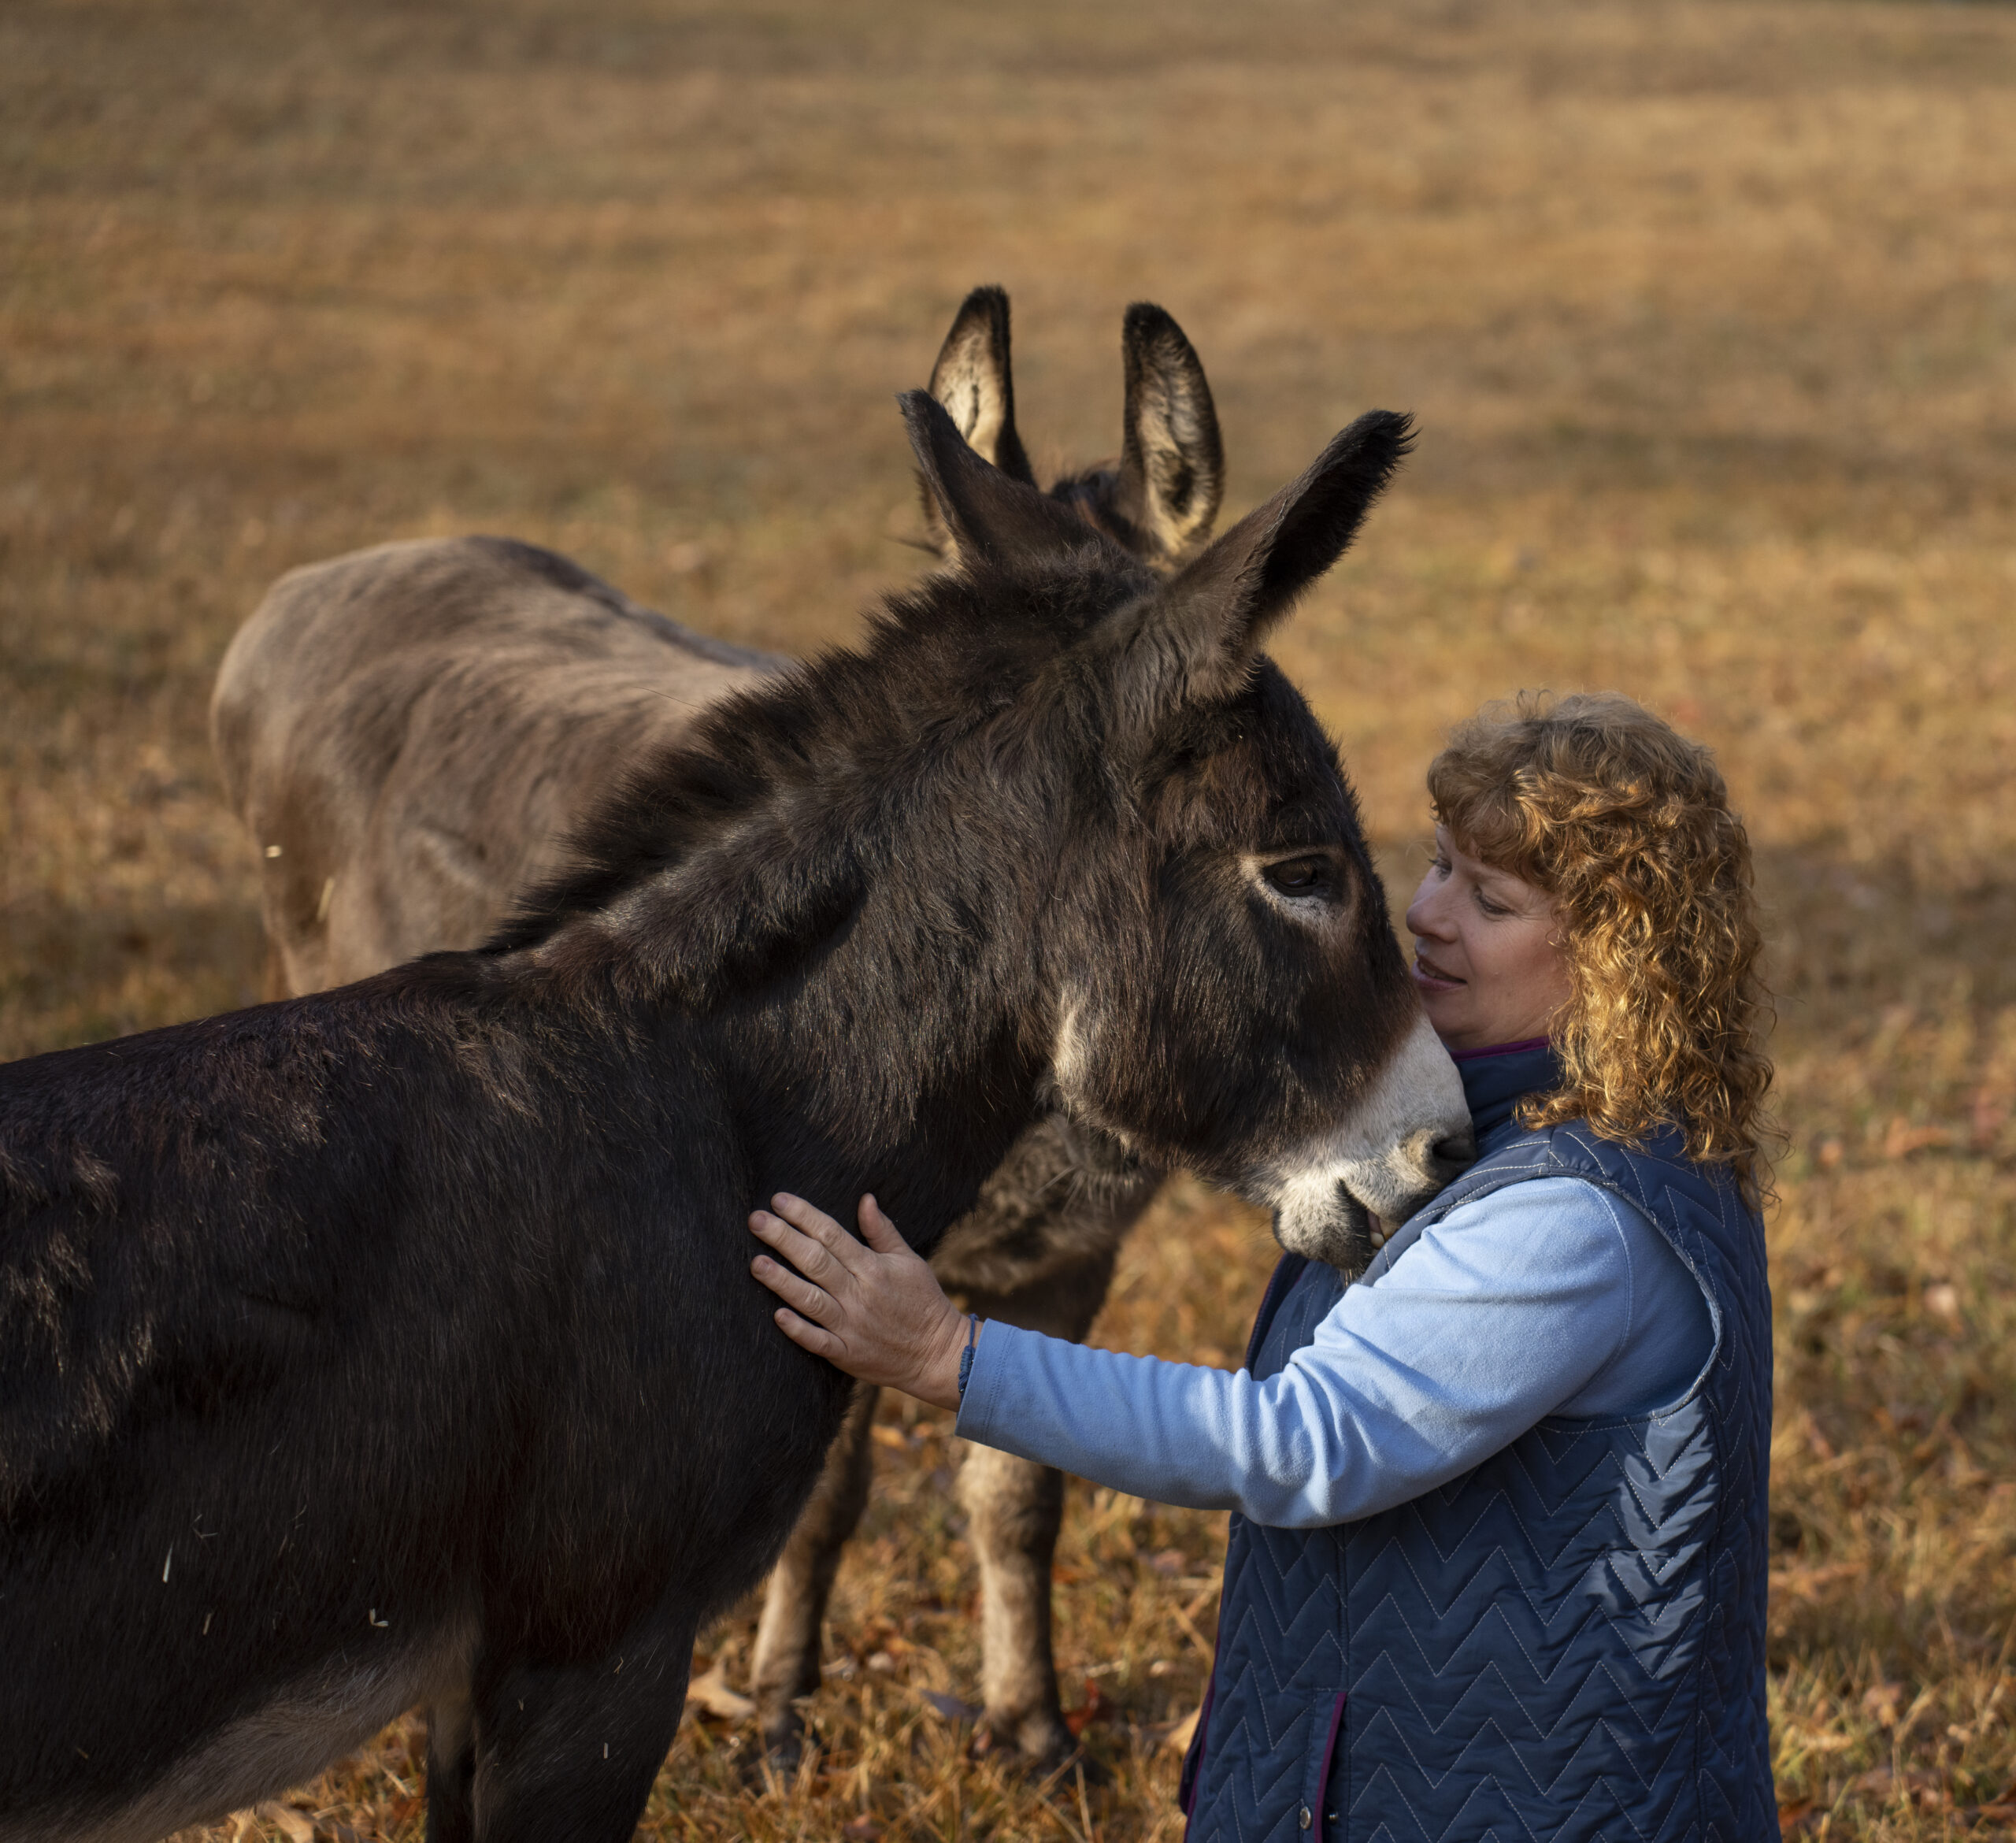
[(830, 1101), (813, 900)]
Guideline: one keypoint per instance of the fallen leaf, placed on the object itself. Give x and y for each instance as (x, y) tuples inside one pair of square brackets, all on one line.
[(1902, 1138), (1922, 1788), (1806, 1581), (1078, 1719), (711, 1695), (283, 1818), (1178, 1738), (1988, 1114), (949, 1706)]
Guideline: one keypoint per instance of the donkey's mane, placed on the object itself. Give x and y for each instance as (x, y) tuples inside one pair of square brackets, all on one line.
[(938, 662)]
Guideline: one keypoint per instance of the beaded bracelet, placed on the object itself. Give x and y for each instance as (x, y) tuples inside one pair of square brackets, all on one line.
[(966, 1356)]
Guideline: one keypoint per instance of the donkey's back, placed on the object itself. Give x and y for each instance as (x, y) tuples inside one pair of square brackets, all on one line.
[(410, 731)]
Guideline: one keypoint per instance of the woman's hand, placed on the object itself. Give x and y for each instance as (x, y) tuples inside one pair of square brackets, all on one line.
[(875, 1311)]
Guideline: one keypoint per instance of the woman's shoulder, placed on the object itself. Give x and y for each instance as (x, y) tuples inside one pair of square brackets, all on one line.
[(1657, 1165), (1570, 1203)]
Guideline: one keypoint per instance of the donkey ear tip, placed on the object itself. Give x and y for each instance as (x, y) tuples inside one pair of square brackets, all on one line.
[(925, 419), (986, 305), (1394, 430), (1144, 320)]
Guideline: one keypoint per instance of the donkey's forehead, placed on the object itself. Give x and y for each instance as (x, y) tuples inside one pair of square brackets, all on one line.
[(1268, 725), (971, 625), (1258, 763)]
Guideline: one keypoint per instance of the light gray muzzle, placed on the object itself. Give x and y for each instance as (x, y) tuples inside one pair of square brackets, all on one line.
[(1401, 1145)]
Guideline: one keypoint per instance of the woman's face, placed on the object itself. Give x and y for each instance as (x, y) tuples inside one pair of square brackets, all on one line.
[(1485, 959)]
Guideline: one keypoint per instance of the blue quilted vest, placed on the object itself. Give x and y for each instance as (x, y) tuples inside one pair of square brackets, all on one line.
[(1567, 1642)]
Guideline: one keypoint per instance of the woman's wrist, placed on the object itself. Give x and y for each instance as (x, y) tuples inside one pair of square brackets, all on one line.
[(938, 1381)]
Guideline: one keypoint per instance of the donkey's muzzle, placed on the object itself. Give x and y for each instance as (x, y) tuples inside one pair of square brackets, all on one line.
[(1443, 1157), (1423, 1165), (1408, 1136)]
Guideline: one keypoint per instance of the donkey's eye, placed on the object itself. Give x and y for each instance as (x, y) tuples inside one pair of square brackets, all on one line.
[(1300, 877)]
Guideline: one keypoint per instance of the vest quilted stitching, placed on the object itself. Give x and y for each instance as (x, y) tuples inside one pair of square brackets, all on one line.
[(1566, 1642)]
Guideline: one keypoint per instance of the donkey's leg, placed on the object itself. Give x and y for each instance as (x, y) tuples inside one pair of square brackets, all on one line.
[(786, 1665), (451, 1770), (572, 1752), (1037, 1251), (1016, 1509)]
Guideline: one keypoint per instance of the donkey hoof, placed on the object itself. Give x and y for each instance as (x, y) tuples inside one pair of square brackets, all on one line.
[(1079, 1762), (782, 1751), (1041, 1746)]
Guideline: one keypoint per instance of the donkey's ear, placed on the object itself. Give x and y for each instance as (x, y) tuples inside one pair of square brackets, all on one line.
[(990, 516), (1172, 467), (1197, 639), (972, 380)]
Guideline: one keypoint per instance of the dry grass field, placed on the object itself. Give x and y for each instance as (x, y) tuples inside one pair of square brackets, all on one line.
[(1708, 310)]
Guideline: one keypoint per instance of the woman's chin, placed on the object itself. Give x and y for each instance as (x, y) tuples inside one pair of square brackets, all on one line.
[(1449, 1015)]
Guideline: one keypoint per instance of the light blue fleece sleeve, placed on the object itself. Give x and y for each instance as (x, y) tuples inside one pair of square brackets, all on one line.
[(1547, 1296)]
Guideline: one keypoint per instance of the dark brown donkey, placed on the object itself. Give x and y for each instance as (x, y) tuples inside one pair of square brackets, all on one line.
[(412, 732), (397, 1344)]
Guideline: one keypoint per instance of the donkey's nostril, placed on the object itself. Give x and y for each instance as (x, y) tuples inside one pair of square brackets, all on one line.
[(1453, 1154)]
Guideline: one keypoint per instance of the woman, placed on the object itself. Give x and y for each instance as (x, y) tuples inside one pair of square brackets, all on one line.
[(1498, 1563)]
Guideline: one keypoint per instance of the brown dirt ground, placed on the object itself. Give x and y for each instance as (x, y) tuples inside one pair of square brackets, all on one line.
[(1709, 313)]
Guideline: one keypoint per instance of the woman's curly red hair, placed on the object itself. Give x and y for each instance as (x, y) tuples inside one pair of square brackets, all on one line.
[(1627, 825)]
